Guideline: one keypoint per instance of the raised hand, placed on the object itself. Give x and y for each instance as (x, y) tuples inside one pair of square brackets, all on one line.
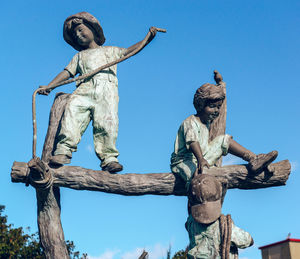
[(153, 31)]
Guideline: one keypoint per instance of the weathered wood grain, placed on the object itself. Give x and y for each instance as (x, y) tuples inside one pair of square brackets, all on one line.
[(218, 125), (48, 200), (79, 178)]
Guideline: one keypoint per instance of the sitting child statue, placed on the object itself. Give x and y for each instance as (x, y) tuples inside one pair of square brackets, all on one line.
[(211, 234), (193, 149), (96, 98)]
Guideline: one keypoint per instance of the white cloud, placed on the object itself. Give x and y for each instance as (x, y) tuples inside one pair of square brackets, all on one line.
[(89, 148), (134, 254), (109, 254), (294, 165), (232, 160), (157, 251)]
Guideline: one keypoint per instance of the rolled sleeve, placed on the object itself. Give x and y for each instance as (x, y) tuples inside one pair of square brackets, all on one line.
[(120, 52), (190, 133), (114, 53), (240, 237), (72, 67), (225, 144)]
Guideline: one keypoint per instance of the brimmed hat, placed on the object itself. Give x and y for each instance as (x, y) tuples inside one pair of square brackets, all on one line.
[(205, 198), (87, 19)]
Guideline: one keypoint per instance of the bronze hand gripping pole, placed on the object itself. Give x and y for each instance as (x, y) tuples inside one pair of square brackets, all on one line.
[(82, 77)]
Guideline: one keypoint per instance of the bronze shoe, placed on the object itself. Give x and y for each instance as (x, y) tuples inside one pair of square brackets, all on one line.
[(113, 167), (60, 160), (261, 161)]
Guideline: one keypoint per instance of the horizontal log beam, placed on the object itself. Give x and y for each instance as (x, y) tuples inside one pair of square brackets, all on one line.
[(79, 178)]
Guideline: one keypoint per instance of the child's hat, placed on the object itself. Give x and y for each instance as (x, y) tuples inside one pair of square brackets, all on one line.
[(205, 198), (88, 19)]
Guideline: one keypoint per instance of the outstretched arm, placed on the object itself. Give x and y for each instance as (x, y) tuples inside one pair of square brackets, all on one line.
[(132, 48), (62, 76)]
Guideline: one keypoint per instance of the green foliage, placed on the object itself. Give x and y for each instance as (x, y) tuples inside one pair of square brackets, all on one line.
[(180, 255), (14, 243), (72, 253), (169, 253)]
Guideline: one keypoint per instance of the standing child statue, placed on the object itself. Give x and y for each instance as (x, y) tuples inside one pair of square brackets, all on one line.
[(96, 98), (193, 149)]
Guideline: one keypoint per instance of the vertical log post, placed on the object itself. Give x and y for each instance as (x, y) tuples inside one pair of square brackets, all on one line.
[(48, 199), (218, 126)]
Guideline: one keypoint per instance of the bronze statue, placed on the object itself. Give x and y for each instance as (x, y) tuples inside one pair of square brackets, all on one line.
[(193, 148), (198, 148), (96, 97), (211, 234)]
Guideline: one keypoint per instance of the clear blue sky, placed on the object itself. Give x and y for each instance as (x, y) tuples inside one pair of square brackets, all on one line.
[(254, 44)]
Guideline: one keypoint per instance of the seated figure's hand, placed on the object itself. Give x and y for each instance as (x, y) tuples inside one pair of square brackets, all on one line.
[(202, 163), (44, 90)]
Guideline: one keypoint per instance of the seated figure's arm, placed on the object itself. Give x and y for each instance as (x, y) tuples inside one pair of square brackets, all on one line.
[(201, 161)]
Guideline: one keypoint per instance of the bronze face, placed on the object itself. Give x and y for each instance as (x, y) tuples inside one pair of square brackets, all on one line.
[(211, 111), (87, 19), (84, 36)]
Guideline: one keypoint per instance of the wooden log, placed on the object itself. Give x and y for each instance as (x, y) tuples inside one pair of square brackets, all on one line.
[(48, 199), (56, 113), (50, 229), (79, 178)]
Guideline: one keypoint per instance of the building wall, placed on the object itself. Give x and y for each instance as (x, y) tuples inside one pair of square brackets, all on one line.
[(280, 251), (295, 250)]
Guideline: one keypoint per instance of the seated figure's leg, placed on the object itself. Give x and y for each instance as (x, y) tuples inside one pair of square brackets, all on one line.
[(74, 122), (256, 162), (105, 128), (240, 151), (186, 170), (216, 148)]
